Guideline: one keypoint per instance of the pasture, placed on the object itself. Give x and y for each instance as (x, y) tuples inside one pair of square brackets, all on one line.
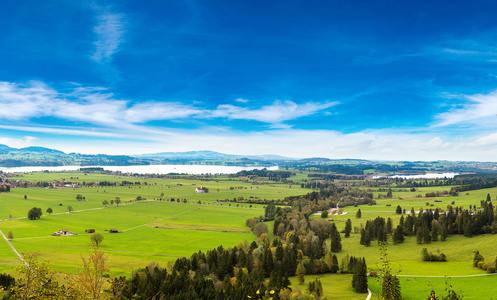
[(161, 230)]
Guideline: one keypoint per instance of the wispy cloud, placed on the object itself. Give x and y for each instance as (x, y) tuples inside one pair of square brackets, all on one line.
[(95, 106), (479, 109), (109, 31), (277, 112)]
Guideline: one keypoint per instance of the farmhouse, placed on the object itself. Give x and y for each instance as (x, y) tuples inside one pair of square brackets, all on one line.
[(200, 190), (114, 231), (90, 230), (64, 232)]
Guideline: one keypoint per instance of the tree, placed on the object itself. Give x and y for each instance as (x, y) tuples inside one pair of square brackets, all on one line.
[(389, 193), (300, 273), (105, 203), (336, 240), (360, 277), (389, 226), (117, 201), (49, 210), (398, 210), (10, 235), (390, 284), (398, 235), (426, 234), (36, 280), (435, 228), (443, 232), (34, 213), (96, 239), (358, 214), (90, 280), (348, 228), (324, 214), (365, 239), (25, 197), (69, 208)]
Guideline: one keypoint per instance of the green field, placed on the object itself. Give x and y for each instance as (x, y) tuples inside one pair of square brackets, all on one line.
[(161, 231)]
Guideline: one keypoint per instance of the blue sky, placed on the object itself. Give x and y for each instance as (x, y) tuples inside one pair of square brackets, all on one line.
[(385, 80)]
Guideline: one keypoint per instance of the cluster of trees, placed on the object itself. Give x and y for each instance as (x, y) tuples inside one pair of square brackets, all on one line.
[(479, 262), (432, 224), (80, 197), (430, 256), (117, 201), (4, 188), (332, 195), (271, 175)]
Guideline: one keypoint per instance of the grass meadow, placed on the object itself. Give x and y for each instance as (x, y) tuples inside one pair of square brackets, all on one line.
[(161, 231)]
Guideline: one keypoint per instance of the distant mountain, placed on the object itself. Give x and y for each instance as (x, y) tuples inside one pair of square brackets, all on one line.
[(40, 156), (212, 155), (205, 154), (39, 150)]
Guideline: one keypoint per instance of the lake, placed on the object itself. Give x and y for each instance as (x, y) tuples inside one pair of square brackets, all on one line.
[(421, 176), (145, 169)]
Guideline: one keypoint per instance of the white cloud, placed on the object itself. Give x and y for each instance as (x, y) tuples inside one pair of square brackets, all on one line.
[(481, 111), (109, 30), (18, 143), (242, 100), (92, 105), (277, 112)]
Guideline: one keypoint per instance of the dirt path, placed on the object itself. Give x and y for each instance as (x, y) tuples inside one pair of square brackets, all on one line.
[(13, 249)]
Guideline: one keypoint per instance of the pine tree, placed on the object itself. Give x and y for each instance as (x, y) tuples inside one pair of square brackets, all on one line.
[(426, 234), (363, 236), (358, 214), (389, 226), (435, 227), (382, 237), (334, 265), (300, 273), (336, 240), (360, 277), (443, 232), (398, 235), (348, 228), (398, 210), (419, 236)]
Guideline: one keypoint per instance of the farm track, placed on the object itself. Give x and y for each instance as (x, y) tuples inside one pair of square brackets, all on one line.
[(13, 249)]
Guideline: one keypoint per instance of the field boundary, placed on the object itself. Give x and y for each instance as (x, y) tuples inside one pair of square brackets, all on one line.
[(13, 249)]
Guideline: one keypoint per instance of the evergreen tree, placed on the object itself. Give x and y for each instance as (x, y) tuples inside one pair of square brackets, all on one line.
[(443, 232), (389, 226), (360, 277), (398, 210), (300, 273), (419, 236), (382, 237), (426, 234), (358, 214), (334, 266), (398, 235), (435, 228), (348, 228), (336, 240)]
